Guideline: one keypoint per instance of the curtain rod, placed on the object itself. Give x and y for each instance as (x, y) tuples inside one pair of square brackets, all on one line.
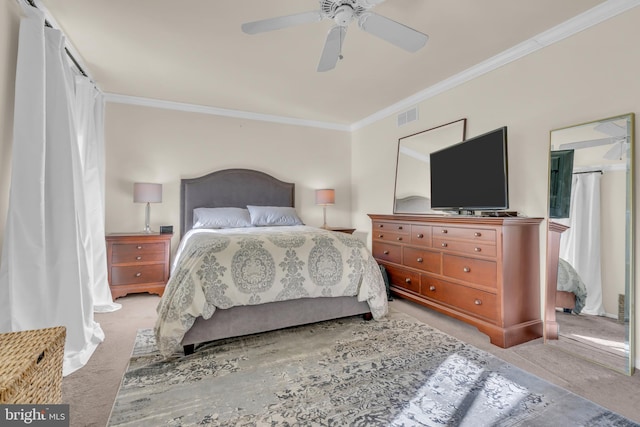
[(73, 59), (593, 171)]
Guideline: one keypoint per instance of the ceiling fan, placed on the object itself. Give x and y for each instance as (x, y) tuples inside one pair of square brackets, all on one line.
[(343, 12), (617, 135)]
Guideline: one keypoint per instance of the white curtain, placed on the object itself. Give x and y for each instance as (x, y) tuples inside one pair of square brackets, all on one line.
[(51, 272), (580, 244)]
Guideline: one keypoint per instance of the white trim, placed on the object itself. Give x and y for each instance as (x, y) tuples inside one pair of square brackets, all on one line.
[(193, 108), (591, 17)]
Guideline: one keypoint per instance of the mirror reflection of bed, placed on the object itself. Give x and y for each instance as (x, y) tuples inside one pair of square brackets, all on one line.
[(589, 212)]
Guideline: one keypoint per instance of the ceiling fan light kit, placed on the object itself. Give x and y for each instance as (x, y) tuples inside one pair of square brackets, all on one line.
[(343, 13)]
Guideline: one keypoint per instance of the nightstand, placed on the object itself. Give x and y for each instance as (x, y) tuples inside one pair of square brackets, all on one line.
[(341, 229), (138, 262)]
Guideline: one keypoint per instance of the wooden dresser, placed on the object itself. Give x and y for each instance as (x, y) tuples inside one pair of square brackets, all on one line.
[(138, 262), (483, 271)]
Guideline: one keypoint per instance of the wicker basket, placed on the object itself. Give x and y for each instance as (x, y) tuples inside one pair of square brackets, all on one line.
[(31, 366)]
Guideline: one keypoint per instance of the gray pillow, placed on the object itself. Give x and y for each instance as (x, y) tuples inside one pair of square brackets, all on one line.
[(273, 215), (221, 218)]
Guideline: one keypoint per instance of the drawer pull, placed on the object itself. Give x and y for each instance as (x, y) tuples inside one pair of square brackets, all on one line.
[(477, 234), (399, 227), (432, 288), (420, 235), (380, 236), (445, 231), (466, 269), (386, 252), (478, 302), (138, 274), (138, 247), (138, 258), (477, 249), (380, 225), (419, 260), (399, 238), (444, 245), (407, 280)]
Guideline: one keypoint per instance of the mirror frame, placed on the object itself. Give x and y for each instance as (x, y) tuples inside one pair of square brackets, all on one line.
[(463, 122), (553, 241)]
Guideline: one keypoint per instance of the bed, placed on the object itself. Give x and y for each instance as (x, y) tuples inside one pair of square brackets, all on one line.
[(209, 297), (571, 293)]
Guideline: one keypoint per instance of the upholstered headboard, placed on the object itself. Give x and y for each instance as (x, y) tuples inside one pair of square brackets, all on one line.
[(234, 188)]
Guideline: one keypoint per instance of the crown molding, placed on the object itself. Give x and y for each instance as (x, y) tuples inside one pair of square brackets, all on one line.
[(585, 20), (194, 108), (591, 17)]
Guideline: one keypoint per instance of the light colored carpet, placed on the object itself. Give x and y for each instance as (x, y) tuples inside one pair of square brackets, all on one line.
[(394, 372)]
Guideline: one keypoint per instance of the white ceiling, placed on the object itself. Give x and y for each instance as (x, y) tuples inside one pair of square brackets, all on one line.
[(193, 51)]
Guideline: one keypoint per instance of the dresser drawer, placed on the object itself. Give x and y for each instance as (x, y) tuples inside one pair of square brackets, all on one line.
[(475, 234), (470, 270), (404, 278), (390, 236), (421, 235), (476, 248), (473, 301), (126, 275), (394, 227), (422, 259), (387, 252)]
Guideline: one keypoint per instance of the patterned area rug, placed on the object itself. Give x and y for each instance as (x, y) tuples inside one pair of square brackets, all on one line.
[(394, 372)]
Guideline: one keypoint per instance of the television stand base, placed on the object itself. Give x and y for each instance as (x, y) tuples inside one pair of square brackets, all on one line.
[(499, 214)]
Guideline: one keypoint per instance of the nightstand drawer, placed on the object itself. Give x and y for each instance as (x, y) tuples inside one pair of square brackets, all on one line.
[(137, 274), (125, 257), (124, 249)]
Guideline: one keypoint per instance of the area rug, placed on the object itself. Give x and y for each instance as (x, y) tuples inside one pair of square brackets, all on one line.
[(347, 372)]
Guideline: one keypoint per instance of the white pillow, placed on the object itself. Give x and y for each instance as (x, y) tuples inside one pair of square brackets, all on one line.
[(273, 215), (221, 218)]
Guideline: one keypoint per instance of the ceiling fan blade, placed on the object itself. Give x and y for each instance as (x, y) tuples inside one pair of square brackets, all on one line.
[(281, 22), (587, 144), (611, 128), (392, 31), (332, 48)]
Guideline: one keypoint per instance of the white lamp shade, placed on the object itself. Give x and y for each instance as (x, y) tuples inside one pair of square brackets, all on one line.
[(326, 196), (147, 193)]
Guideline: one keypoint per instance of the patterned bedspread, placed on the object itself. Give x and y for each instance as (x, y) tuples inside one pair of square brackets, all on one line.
[(247, 266), (569, 280)]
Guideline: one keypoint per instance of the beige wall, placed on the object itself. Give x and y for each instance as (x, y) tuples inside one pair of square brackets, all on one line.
[(9, 24), (591, 75), (154, 145)]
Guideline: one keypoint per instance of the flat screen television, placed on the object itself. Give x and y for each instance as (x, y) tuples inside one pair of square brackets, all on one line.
[(472, 175)]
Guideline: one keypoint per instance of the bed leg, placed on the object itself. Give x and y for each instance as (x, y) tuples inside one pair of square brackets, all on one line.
[(189, 349), (367, 316)]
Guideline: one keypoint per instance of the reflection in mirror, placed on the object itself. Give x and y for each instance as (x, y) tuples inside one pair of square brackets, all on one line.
[(590, 256), (413, 186)]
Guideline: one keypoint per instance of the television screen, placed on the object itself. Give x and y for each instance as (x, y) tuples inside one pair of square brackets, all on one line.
[(472, 174)]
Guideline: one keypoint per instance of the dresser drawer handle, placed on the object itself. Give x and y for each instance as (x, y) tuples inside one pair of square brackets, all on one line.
[(138, 247), (399, 238), (445, 231), (466, 269), (138, 274), (420, 259), (138, 258), (420, 235), (477, 234), (380, 225), (386, 252), (407, 280), (380, 236), (478, 302), (399, 227), (432, 288), (444, 245), (477, 249)]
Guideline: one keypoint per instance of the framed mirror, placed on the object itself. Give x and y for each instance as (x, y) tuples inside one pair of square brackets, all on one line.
[(413, 185), (590, 284)]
